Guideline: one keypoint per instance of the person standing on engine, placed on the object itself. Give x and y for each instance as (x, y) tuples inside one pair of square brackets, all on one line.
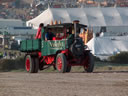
[(38, 34)]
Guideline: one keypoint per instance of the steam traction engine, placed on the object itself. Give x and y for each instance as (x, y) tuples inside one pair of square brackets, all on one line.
[(64, 51)]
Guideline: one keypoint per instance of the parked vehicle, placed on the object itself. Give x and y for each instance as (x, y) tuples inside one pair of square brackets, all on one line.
[(64, 51)]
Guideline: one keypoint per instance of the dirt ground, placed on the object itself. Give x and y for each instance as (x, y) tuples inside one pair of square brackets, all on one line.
[(67, 84)]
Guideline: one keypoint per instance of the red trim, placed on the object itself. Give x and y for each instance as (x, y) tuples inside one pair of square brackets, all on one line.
[(49, 59), (65, 51), (39, 54), (27, 64)]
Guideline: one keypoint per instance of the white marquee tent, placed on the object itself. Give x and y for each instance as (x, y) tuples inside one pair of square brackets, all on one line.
[(108, 46), (93, 16)]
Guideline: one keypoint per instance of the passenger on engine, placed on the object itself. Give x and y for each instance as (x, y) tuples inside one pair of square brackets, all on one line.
[(49, 35), (38, 34)]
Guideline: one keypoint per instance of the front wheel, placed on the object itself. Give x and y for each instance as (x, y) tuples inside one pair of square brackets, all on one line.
[(89, 64), (61, 63)]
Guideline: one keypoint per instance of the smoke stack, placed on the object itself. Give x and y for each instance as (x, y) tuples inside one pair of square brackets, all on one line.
[(76, 21)]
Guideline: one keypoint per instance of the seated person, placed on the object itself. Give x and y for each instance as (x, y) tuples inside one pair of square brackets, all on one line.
[(49, 35), (68, 32), (38, 34), (58, 37)]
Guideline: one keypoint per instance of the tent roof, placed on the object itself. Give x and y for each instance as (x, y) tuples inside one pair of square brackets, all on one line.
[(94, 16)]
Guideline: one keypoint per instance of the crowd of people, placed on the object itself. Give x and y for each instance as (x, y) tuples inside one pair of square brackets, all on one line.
[(9, 55), (19, 9), (14, 10)]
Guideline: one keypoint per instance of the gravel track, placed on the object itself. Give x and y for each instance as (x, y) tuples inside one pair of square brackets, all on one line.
[(67, 84)]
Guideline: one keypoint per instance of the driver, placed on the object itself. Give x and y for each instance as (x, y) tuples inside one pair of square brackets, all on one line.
[(49, 35)]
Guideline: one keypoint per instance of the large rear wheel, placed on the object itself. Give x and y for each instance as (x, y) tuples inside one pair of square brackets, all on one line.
[(89, 64), (31, 64), (61, 63)]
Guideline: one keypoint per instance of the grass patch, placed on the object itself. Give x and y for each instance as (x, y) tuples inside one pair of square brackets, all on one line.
[(121, 58), (107, 66), (7, 65)]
